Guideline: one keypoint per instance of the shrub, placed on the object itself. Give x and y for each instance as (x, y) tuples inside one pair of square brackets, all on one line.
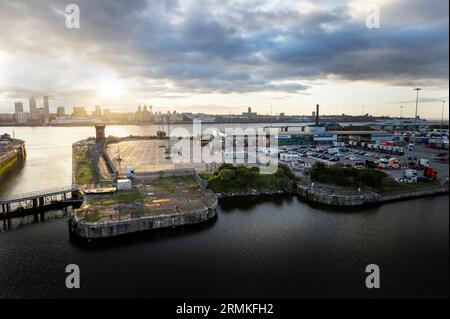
[(236, 179), (347, 176)]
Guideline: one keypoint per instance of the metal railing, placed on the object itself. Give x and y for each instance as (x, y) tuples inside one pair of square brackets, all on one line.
[(40, 193)]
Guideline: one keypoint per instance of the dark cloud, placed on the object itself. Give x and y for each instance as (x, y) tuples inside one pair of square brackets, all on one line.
[(221, 46)]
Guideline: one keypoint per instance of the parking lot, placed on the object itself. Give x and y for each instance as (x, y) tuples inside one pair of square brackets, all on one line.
[(355, 157), (147, 155)]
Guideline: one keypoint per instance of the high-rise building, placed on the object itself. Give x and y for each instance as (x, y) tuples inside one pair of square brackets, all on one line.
[(46, 107), (19, 115), (60, 111), (98, 112), (32, 105), (22, 118), (18, 107)]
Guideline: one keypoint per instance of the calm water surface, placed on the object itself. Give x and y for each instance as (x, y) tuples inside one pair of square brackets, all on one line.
[(257, 247)]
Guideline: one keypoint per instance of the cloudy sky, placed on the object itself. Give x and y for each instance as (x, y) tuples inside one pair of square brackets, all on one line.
[(221, 56)]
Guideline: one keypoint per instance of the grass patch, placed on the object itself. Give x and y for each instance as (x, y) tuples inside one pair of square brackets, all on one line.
[(92, 217), (369, 179), (121, 196), (347, 176), (390, 185), (85, 172), (169, 184), (239, 179)]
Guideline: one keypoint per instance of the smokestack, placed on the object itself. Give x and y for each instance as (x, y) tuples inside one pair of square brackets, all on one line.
[(317, 114)]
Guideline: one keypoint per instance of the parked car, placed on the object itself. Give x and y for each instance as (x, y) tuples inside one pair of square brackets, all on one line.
[(359, 164), (371, 164), (354, 158)]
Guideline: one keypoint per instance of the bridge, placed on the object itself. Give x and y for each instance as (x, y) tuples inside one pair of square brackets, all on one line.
[(38, 202)]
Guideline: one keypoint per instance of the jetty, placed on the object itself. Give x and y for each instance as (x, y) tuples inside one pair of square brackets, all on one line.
[(37, 203)]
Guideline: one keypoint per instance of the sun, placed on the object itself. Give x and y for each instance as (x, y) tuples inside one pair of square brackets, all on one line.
[(111, 88)]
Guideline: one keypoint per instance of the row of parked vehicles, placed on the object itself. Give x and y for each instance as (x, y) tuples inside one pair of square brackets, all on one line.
[(361, 158), (378, 148), (412, 176)]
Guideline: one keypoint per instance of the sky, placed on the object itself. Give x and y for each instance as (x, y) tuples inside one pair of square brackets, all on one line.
[(222, 56)]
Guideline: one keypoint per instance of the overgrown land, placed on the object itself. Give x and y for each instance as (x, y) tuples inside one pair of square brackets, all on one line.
[(370, 179), (239, 179)]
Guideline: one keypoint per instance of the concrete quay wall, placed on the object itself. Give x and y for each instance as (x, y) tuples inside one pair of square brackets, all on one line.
[(115, 228), (12, 158), (343, 200), (412, 194)]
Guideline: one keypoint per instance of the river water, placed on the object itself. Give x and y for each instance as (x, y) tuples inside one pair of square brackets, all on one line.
[(276, 247)]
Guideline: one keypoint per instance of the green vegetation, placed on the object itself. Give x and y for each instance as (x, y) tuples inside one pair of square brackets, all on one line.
[(85, 172), (169, 184), (361, 178), (120, 196), (92, 217), (347, 176), (390, 185), (229, 179), (161, 134)]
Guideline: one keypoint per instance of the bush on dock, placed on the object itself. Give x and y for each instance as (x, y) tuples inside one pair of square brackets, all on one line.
[(229, 178), (345, 176)]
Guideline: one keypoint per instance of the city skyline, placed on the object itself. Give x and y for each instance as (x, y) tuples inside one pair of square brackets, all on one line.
[(282, 56), (18, 107)]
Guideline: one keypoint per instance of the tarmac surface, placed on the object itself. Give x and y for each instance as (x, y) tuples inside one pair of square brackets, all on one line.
[(146, 156)]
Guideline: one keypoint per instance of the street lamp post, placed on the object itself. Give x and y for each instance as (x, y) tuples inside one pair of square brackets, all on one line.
[(442, 118), (415, 121), (401, 117), (417, 104)]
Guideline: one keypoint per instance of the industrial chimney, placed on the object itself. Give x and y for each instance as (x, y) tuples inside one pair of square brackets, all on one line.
[(317, 114)]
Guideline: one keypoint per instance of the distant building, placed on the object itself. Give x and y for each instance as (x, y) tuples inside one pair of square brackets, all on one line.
[(249, 113), (144, 115), (22, 118), (18, 107), (60, 111), (46, 108), (317, 127), (401, 123), (97, 113), (6, 118), (33, 107), (19, 115), (79, 111), (106, 114)]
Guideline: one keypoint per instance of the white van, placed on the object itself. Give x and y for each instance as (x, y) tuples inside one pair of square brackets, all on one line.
[(410, 175), (287, 157)]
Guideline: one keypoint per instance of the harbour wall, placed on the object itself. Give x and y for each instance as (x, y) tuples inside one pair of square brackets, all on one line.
[(322, 196), (12, 159), (115, 228)]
